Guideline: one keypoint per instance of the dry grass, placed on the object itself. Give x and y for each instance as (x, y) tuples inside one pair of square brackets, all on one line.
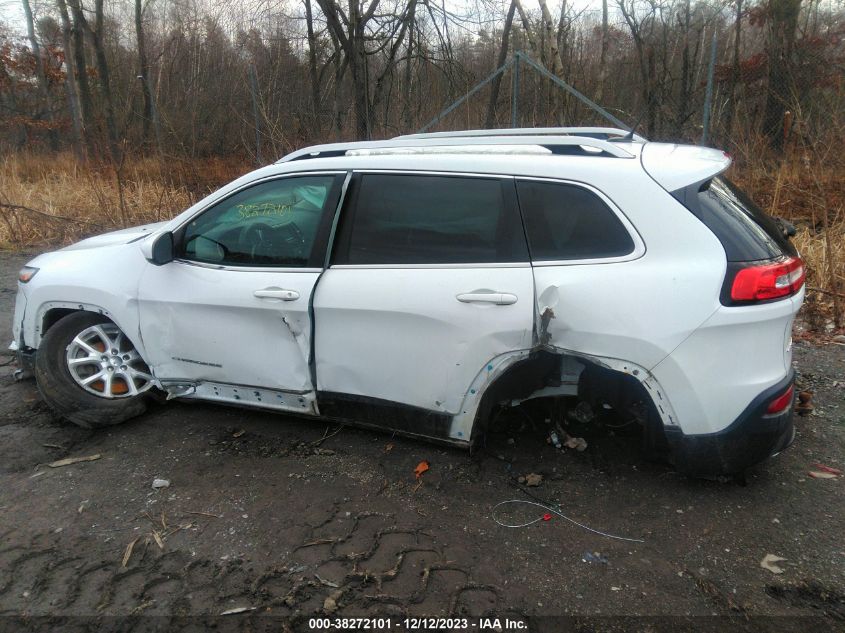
[(806, 187), (47, 200), (56, 200)]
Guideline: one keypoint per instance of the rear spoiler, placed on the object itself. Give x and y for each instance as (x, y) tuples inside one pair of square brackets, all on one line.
[(677, 166)]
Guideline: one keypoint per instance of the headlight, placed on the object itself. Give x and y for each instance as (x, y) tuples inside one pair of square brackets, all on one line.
[(27, 273)]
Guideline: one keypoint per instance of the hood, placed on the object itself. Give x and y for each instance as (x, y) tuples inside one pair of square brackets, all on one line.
[(123, 236)]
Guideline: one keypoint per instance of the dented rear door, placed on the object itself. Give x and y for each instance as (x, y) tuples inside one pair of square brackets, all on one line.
[(233, 307), (430, 282)]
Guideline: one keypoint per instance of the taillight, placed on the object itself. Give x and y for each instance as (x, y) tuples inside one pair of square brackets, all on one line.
[(768, 281), (782, 402)]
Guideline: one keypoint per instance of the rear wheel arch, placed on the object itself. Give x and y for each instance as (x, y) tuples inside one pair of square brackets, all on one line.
[(601, 380)]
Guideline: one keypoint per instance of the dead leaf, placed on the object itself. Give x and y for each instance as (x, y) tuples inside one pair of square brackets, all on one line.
[(533, 480), (769, 563), (128, 553), (421, 468), (238, 433), (67, 461), (238, 610), (388, 447), (817, 474), (158, 540)]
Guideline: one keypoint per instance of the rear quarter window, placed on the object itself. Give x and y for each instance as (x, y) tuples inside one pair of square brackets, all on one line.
[(746, 232), (567, 222)]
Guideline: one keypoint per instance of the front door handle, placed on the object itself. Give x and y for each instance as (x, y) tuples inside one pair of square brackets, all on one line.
[(499, 298), (277, 293)]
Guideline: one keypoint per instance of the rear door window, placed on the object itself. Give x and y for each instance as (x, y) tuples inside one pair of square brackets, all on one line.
[(568, 222), (413, 219)]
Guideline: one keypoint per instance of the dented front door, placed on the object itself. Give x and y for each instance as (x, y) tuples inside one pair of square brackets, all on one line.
[(233, 307)]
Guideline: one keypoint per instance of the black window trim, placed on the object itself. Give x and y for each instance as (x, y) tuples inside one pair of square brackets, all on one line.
[(347, 215), (639, 245), (341, 178)]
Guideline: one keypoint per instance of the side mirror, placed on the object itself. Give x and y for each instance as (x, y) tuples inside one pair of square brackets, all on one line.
[(162, 249)]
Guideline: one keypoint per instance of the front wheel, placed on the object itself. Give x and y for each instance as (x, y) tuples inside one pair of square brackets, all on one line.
[(89, 372)]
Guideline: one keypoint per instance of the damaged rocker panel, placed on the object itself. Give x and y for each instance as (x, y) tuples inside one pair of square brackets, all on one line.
[(243, 395)]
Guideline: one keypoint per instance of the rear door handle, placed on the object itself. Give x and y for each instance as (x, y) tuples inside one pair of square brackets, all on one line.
[(277, 293), (499, 298)]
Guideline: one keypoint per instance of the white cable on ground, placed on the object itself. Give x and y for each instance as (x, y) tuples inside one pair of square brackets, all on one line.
[(558, 513)]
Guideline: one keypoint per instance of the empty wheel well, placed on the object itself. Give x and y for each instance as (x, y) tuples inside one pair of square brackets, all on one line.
[(571, 375)]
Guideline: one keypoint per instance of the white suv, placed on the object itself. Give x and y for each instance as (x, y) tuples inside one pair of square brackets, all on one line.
[(421, 283)]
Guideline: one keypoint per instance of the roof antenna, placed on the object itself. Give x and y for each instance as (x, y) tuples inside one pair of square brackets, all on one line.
[(630, 135)]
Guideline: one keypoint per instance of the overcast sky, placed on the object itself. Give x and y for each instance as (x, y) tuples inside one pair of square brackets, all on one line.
[(11, 11)]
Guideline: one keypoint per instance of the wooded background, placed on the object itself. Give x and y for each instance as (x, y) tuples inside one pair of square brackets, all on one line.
[(199, 79), (120, 112)]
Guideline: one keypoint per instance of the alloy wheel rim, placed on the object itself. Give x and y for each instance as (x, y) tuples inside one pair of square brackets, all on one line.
[(104, 362)]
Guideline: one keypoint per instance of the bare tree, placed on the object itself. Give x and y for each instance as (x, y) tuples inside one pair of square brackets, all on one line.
[(350, 32), (86, 105), (782, 24), (503, 56), (312, 59), (70, 82), (605, 42), (732, 90), (143, 70), (46, 105)]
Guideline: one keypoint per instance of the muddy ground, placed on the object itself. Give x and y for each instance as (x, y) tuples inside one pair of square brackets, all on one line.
[(286, 516)]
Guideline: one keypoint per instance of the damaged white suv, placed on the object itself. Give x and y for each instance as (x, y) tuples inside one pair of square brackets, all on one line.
[(421, 283)]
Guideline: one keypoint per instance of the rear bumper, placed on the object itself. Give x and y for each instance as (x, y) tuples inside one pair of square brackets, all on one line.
[(751, 438)]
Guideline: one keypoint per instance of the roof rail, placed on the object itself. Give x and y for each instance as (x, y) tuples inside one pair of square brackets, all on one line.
[(602, 133), (582, 145)]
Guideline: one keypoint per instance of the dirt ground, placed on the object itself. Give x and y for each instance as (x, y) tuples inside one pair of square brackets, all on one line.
[(279, 515)]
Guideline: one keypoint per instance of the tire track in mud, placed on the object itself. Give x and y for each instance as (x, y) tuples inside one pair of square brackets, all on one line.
[(347, 563)]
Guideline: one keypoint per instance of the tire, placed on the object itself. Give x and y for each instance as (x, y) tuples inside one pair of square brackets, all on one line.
[(60, 389)]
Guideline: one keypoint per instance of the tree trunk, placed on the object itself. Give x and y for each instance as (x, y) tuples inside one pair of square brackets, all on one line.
[(551, 39), (143, 71), (526, 27), (407, 113), (489, 119), (96, 34), (70, 83), (86, 106), (351, 40), (44, 91), (605, 42), (732, 89), (386, 75), (783, 21), (312, 60), (686, 77)]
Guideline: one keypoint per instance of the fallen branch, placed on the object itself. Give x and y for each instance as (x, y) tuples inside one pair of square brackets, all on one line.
[(826, 292), (49, 216), (74, 460)]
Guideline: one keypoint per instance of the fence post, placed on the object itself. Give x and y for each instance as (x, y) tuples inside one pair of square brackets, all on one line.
[(708, 95), (254, 91), (515, 90)]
